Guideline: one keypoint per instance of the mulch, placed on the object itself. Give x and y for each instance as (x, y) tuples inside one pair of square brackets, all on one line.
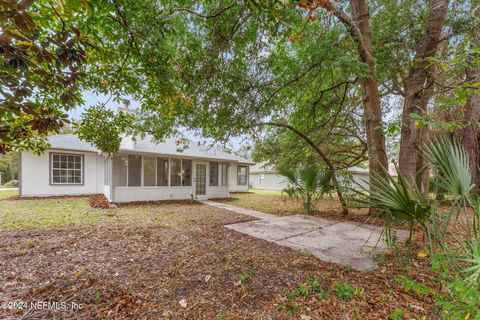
[(123, 271)]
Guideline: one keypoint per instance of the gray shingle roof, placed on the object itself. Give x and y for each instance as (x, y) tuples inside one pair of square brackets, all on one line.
[(168, 147)]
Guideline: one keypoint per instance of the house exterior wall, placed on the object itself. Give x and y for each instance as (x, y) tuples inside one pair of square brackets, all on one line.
[(35, 175), (270, 181), (35, 180), (233, 185)]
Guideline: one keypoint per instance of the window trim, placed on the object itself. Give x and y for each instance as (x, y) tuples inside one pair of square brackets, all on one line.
[(82, 169), (238, 175)]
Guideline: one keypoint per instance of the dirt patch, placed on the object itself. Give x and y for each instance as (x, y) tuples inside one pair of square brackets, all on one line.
[(223, 199), (198, 270)]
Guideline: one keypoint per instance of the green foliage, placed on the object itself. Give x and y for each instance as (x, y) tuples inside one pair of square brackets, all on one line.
[(397, 314), (306, 184), (461, 302), (451, 160), (344, 291), (398, 201), (411, 285), (104, 128), (244, 277)]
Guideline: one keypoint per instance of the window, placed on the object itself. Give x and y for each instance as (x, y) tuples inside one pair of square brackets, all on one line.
[(241, 175), (120, 168), (66, 168), (187, 172), (176, 172), (214, 173), (180, 172), (134, 171), (262, 178), (149, 171), (162, 172)]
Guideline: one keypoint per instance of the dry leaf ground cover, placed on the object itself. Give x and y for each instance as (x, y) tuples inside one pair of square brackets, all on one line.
[(178, 261)]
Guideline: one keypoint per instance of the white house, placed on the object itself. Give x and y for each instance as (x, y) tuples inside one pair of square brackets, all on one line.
[(263, 176), (141, 171)]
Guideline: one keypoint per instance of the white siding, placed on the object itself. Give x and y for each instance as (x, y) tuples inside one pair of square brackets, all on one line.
[(270, 181), (35, 175)]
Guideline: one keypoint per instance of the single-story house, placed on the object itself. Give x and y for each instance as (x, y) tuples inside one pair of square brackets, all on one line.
[(142, 170), (263, 176)]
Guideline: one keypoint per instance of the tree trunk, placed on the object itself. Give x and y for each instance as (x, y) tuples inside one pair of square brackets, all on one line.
[(360, 30), (469, 134), (418, 91), (372, 111)]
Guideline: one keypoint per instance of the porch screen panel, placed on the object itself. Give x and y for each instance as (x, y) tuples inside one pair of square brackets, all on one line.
[(162, 172), (119, 171), (213, 181), (224, 173), (187, 172), (134, 171), (149, 174), (176, 172)]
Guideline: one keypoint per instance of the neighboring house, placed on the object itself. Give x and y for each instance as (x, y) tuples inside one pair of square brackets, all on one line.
[(141, 171), (263, 176)]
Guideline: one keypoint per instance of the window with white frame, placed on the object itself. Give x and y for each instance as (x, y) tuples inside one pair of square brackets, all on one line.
[(262, 178), (241, 175), (66, 168)]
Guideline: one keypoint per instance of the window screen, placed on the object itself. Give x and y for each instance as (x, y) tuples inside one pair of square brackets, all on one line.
[(134, 171), (213, 173), (119, 171), (162, 172), (149, 171)]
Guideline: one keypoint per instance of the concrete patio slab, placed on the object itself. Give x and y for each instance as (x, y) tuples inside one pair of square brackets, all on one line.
[(344, 243), (339, 242)]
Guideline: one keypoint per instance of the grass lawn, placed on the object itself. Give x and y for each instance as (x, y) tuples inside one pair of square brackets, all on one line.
[(177, 261), (272, 201)]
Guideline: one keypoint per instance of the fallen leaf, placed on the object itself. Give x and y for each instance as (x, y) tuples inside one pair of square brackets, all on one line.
[(207, 277), (305, 317), (183, 303), (421, 254), (237, 283)]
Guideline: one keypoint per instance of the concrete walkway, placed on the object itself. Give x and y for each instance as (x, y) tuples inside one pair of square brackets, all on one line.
[(7, 189), (345, 243)]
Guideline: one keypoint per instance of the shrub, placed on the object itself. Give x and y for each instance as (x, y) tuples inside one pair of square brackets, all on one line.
[(306, 184)]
